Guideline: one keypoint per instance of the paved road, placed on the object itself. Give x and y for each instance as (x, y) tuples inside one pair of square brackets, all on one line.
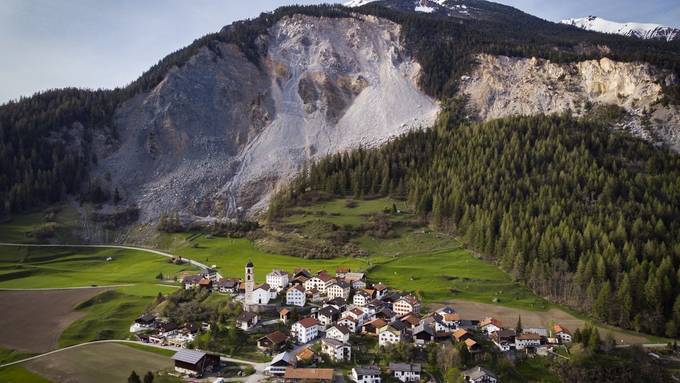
[(158, 252), (256, 377)]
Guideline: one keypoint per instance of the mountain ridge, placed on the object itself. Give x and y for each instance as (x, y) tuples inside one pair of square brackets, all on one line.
[(631, 29)]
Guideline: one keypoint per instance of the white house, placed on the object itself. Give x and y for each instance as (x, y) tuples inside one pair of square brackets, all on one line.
[(405, 305), (490, 325), (278, 279), (390, 335), (327, 315), (280, 362), (361, 298), (479, 375), (262, 294), (406, 372), (305, 330), (338, 332), (336, 350), (380, 290), (356, 280), (368, 374), (338, 289), (246, 321), (349, 323), (295, 296), (527, 339), (561, 333)]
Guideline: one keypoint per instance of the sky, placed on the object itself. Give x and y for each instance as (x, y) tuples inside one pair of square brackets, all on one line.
[(49, 44)]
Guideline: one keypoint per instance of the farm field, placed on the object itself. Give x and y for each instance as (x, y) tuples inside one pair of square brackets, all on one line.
[(102, 363), (32, 321)]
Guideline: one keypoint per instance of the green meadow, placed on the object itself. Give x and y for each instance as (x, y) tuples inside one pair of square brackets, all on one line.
[(19, 374)]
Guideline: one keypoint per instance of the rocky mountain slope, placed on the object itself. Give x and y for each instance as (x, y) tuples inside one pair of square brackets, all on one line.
[(639, 30), (502, 86), (216, 136)]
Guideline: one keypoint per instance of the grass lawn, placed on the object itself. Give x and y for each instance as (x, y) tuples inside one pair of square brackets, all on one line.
[(19, 374), (31, 267), (337, 212), (156, 350), (8, 355), (19, 228)]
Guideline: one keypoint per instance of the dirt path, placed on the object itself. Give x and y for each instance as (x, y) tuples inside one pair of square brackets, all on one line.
[(508, 315), (33, 320)]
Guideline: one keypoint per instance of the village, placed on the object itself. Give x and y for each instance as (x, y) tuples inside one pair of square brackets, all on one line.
[(318, 327)]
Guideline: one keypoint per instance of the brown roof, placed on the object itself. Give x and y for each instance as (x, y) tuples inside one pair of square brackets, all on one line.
[(379, 287), (305, 354), (490, 320), (411, 318), (284, 311), (277, 337), (470, 343), (459, 333), (308, 322), (298, 288), (451, 317), (325, 277), (558, 329), (342, 270), (410, 299), (309, 373), (529, 336), (377, 323)]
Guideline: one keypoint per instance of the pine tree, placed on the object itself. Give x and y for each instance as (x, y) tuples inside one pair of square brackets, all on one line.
[(134, 378), (518, 326), (148, 378)]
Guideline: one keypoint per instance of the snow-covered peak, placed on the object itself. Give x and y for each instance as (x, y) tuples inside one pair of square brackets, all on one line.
[(358, 3), (640, 30)]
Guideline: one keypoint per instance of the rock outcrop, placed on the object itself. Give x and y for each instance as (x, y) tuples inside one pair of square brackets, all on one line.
[(501, 86), (218, 135)]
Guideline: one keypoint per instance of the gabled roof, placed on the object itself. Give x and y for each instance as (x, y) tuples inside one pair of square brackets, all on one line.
[(469, 342), (406, 367), (490, 321), (286, 357), (337, 301), (528, 336), (305, 354), (377, 323), (367, 370), (277, 337), (410, 318), (334, 342), (326, 277), (379, 287), (264, 286), (410, 299), (192, 278), (298, 288), (343, 329), (351, 277), (459, 333), (308, 322), (277, 272), (341, 284), (188, 356), (328, 311), (342, 270), (557, 328), (423, 327)]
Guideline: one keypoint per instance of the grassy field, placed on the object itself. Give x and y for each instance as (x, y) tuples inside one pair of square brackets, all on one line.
[(31, 267), (19, 374), (21, 228), (337, 211), (102, 363)]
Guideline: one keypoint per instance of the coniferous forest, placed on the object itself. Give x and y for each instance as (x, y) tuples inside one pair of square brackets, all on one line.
[(582, 215)]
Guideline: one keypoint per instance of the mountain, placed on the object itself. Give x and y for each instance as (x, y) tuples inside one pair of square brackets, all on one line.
[(213, 129), (639, 30)]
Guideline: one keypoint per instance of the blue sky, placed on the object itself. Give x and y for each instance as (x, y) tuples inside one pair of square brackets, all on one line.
[(107, 43)]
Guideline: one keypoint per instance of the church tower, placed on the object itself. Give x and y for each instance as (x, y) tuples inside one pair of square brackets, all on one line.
[(250, 284)]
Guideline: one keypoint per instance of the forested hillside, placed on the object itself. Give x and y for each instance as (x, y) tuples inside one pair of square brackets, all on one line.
[(584, 216), (44, 156)]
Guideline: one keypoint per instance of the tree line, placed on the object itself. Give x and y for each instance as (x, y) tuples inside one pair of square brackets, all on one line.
[(583, 216)]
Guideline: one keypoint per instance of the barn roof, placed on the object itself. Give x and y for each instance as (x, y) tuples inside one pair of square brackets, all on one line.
[(188, 356)]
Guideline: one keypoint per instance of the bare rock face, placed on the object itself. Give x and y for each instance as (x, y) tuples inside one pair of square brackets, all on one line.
[(217, 135), (501, 86)]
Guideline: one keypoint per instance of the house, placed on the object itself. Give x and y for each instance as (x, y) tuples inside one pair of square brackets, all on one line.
[(295, 296), (527, 340), (305, 330), (263, 294), (368, 374), (313, 295), (338, 289), (294, 375), (410, 320), (205, 283), (284, 315), (479, 375), (451, 320), (319, 282), (191, 281), (361, 298), (406, 372), (210, 273), (349, 323), (405, 305), (504, 339), (373, 327), (280, 363), (490, 325), (246, 321), (229, 286), (380, 290), (338, 332), (194, 363), (327, 315), (272, 342), (542, 331), (423, 334), (357, 314), (143, 322), (561, 333), (341, 271), (337, 350), (306, 355), (337, 302), (385, 313), (472, 345), (277, 279), (461, 335), (390, 334), (356, 280)]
